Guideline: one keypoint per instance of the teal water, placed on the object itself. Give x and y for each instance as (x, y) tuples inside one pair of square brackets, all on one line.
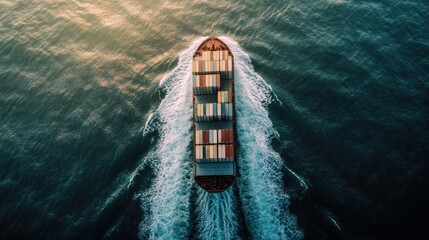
[(336, 98)]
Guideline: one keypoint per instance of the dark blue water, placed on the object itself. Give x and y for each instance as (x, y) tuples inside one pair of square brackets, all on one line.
[(95, 120)]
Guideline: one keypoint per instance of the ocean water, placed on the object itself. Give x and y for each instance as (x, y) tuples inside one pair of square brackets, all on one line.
[(332, 117)]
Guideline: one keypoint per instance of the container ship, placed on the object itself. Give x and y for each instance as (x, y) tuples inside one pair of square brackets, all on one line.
[(214, 141)]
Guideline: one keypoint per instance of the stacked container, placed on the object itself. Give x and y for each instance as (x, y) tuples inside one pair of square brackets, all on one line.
[(208, 112), (209, 70), (214, 145), (214, 136), (212, 61), (224, 96), (214, 153), (206, 84)]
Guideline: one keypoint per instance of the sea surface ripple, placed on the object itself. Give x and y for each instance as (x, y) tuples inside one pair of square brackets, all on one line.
[(332, 115)]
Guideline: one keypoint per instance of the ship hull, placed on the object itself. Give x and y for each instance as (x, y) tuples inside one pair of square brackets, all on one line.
[(214, 130)]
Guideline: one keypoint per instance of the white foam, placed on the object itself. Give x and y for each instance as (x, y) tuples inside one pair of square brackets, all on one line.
[(265, 204), (216, 215), (167, 204)]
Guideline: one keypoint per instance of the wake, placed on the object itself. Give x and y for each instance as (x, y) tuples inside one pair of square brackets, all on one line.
[(167, 205), (260, 183)]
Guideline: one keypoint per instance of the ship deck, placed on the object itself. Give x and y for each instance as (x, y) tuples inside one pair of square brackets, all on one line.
[(217, 173)]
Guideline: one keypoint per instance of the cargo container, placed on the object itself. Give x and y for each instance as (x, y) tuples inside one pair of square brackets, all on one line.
[(210, 112), (214, 139), (206, 83), (214, 136)]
